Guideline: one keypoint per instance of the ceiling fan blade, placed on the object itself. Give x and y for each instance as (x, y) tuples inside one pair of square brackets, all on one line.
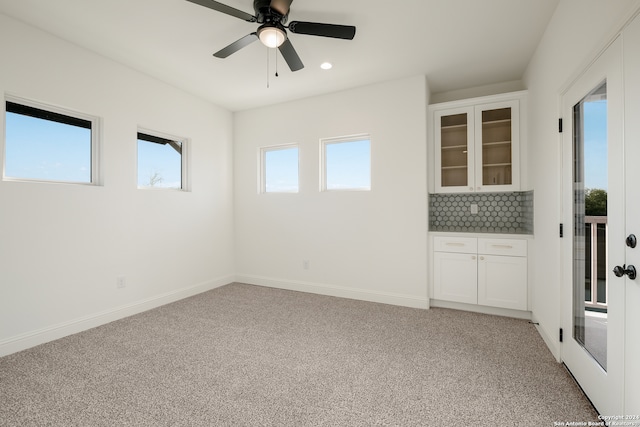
[(281, 6), (236, 46), (346, 32), (212, 4), (291, 56)]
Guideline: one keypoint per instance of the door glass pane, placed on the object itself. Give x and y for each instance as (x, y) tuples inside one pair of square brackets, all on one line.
[(590, 223), (496, 147), (454, 150)]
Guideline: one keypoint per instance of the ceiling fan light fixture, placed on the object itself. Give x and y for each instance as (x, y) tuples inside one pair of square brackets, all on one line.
[(271, 36), (271, 16)]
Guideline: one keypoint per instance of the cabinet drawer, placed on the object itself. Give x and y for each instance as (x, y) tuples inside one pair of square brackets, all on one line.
[(455, 244), (508, 247)]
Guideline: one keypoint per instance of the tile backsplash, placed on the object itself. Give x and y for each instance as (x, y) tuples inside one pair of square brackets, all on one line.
[(505, 212)]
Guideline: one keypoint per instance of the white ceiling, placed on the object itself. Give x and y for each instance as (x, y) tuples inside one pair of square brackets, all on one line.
[(457, 44)]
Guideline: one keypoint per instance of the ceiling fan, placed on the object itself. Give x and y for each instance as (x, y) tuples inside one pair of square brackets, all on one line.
[(272, 16)]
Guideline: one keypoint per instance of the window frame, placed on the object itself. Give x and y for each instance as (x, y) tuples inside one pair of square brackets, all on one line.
[(53, 113), (262, 173), (163, 138), (323, 160)]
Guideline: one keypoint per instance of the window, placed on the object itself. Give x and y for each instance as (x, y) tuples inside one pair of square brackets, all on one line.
[(44, 143), (279, 169), (346, 163), (161, 161)]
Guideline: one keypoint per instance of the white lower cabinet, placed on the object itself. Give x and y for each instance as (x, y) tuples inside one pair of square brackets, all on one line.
[(502, 281), (456, 277), (489, 272)]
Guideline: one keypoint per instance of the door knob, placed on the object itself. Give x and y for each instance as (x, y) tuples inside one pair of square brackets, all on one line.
[(631, 240), (628, 270)]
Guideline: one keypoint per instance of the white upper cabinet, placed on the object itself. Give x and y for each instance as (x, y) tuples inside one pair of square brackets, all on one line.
[(477, 144)]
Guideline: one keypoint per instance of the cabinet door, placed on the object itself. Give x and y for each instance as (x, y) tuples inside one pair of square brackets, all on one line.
[(497, 151), (455, 277), (454, 150), (502, 281)]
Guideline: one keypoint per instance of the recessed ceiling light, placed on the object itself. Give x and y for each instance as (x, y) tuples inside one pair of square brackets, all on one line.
[(326, 65)]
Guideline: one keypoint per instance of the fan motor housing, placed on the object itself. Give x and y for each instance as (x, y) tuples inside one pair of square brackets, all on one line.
[(265, 14)]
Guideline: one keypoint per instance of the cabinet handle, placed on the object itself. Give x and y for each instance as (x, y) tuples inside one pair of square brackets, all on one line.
[(503, 246), (454, 244), (473, 257), (471, 188), (481, 258)]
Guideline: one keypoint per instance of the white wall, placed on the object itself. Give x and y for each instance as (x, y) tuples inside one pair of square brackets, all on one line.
[(62, 246), (578, 30), (366, 245)]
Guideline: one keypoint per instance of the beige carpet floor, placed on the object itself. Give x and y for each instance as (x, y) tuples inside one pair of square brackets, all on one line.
[(243, 355)]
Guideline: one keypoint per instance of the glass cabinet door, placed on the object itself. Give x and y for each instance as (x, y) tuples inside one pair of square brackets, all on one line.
[(477, 146), (496, 147), (497, 130), (455, 149)]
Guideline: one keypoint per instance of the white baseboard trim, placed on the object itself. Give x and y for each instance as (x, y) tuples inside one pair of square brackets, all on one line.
[(549, 339), (496, 311), (337, 291), (54, 332)]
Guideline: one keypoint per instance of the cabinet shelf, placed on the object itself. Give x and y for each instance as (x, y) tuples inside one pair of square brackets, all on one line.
[(453, 127), (496, 122), (453, 167), (454, 147), (496, 143), (495, 165)]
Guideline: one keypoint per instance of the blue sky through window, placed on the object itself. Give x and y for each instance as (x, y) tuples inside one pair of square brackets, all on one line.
[(45, 150), (348, 165), (595, 144), (281, 170), (159, 165)]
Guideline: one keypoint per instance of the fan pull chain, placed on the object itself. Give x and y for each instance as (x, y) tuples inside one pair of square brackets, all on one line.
[(268, 59)]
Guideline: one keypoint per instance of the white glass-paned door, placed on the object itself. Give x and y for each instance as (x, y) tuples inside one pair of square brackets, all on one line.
[(594, 211)]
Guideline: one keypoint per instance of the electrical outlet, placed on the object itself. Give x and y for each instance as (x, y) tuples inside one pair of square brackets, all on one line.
[(474, 208), (121, 282), (305, 264)]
